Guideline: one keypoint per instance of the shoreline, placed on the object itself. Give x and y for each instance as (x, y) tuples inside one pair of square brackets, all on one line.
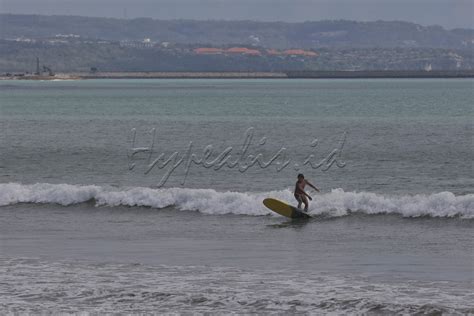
[(248, 75)]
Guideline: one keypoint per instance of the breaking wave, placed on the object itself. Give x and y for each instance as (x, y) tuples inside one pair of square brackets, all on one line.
[(335, 203)]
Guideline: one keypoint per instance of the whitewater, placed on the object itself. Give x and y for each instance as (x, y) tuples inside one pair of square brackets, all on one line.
[(335, 203)]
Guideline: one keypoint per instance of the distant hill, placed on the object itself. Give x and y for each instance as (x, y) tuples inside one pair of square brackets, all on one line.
[(20, 56), (72, 43), (280, 35)]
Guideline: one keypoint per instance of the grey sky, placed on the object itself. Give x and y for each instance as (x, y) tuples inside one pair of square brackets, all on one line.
[(447, 13)]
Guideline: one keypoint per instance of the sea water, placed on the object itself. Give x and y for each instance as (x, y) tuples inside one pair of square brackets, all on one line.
[(143, 196)]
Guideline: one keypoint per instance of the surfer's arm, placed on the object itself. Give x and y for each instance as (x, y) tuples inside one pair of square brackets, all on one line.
[(309, 183)]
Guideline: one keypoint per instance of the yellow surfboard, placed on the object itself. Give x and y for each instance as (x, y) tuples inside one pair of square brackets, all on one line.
[(284, 209)]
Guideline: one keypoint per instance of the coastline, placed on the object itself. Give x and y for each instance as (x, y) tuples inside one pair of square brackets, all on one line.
[(379, 74)]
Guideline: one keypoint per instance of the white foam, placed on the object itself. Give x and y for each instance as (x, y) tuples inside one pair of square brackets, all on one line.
[(63, 194), (32, 286), (208, 201)]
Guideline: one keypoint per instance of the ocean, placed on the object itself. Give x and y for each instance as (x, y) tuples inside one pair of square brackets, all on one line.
[(145, 196)]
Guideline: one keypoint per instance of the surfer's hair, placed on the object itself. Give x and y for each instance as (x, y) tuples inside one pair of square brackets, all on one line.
[(300, 175)]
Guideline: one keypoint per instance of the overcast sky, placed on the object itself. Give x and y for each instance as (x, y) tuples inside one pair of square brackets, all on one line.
[(447, 13)]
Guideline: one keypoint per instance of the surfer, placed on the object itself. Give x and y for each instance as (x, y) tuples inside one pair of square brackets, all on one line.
[(300, 194)]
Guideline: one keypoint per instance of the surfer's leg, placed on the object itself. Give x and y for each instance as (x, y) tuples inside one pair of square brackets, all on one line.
[(306, 204), (298, 198)]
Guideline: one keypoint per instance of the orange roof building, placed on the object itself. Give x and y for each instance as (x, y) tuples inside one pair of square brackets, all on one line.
[(300, 52), (243, 50), (208, 50)]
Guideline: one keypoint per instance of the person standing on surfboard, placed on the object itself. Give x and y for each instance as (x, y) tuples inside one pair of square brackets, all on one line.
[(300, 194)]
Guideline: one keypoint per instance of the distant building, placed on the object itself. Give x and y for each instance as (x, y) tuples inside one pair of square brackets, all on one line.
[(67, 35), (273, 52), (145, 43), (255, 39), (208, 50), (243, 50), (23, 39), (300, 52), (57, 41), (233, 50)]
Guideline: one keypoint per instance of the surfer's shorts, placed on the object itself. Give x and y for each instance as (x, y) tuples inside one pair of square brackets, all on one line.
[(299, 198)]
